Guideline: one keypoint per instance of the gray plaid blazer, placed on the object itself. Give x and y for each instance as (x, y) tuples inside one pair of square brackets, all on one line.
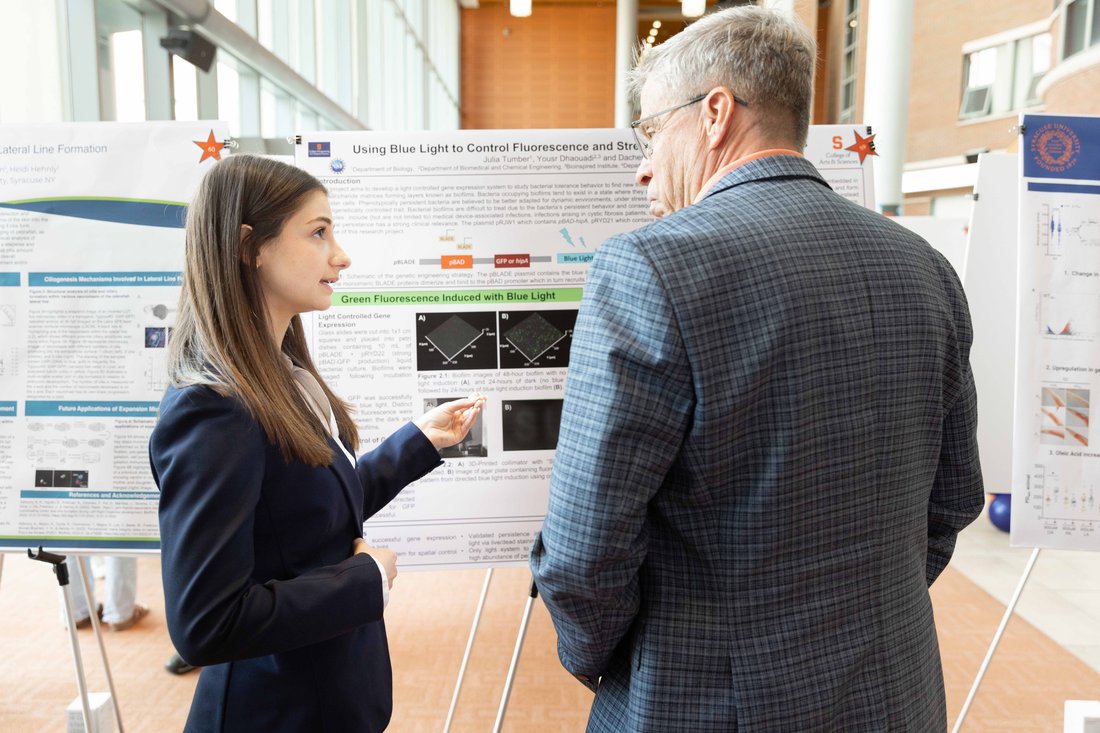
[(766, 452)]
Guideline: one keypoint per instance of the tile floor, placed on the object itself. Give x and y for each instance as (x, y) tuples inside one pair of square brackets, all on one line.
[(1062, 594)]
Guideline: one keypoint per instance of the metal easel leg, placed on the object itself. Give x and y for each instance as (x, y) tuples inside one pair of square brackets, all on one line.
[(469, 646), (996, 639), (92, 606), (534, 593), (62, 573), (78, 663)]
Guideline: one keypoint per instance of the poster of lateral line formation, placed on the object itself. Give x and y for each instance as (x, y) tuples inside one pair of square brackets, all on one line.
[(469, 253), (91, 249), (1056, 455), (469, 250)]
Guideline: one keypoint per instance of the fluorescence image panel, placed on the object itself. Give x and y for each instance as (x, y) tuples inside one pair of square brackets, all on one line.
[(446, 341), (534, 339), (1065, 415), (530, 424), (453, 336)]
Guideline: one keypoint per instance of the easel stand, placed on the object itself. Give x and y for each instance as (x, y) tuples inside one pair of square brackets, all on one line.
[(62, 572), (532, 595), (469, 646), (996, 639)]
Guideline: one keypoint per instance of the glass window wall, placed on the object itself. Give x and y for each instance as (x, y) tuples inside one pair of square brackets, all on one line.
[(389, 63)]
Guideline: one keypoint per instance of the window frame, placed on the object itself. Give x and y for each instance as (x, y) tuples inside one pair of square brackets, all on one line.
[(848, 81), (1090, 26), (1008, 43)]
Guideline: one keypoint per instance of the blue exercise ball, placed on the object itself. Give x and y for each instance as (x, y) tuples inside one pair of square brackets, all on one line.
[(1000, 511)]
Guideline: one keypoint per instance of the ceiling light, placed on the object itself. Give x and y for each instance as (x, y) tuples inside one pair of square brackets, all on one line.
[(520, 8), (656, 24), (693, 8), (653, 33)]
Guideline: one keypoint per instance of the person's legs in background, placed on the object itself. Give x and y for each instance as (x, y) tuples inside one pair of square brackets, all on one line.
[(80, 601), (178, 665), (118, 610)]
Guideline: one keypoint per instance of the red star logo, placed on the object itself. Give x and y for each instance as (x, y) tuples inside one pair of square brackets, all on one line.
[(212, 148), (864, 146)]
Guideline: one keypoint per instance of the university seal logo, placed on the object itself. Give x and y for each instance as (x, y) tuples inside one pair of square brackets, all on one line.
[(1055, 147)]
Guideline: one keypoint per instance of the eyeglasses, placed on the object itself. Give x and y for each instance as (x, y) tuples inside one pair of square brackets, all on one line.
[(644, 137)]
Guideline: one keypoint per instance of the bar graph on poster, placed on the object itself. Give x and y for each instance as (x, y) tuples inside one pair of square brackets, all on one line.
[(1056, 458)]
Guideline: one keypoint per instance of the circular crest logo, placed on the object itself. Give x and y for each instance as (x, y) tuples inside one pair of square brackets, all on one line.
[(1055, 147), (337, 165)]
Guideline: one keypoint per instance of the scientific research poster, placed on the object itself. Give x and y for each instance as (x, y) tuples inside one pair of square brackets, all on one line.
[(1056, 456), (91, 249), (469, 254), (470, 251)]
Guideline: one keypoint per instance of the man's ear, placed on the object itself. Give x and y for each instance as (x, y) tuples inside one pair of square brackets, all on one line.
[(719, 109), (246, 230)]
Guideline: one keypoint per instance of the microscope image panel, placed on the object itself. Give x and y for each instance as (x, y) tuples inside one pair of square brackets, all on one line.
[(155, 337), (536, 339), (447, 341), (453, 336), (530, 424), (533, 336)]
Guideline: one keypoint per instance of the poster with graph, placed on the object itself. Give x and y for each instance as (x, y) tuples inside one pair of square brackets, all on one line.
[(1056, 454), (470, 251), (469, 255)]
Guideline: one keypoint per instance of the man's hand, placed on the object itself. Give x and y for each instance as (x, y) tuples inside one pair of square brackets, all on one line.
[(384, 555), (449, 423)]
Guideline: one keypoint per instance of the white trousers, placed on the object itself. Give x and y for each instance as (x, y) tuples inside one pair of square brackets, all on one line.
[(118, 592)]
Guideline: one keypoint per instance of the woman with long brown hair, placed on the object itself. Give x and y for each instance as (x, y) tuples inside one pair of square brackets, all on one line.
[(268, 583)]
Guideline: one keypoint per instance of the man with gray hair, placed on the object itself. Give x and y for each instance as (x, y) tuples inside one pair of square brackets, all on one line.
[(767, 446)]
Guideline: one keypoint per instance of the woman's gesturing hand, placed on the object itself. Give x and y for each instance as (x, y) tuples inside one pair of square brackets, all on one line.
[(448, 423)]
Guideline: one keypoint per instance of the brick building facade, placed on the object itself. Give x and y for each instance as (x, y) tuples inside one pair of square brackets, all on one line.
[(975, 66)]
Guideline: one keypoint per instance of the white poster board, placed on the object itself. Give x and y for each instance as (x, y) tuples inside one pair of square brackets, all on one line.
[(91, 248), (990, 284), (947, 235), (470, 251), (1056, 463)]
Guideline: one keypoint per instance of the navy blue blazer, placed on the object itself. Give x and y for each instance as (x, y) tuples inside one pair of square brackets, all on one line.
[(260, 586), (767, 448)]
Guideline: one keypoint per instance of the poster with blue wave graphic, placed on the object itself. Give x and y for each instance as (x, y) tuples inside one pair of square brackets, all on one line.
[(91, 252)]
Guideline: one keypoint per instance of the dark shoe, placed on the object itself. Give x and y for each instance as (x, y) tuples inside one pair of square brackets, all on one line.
[(87, 622), (177, 665), (140, 612)]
